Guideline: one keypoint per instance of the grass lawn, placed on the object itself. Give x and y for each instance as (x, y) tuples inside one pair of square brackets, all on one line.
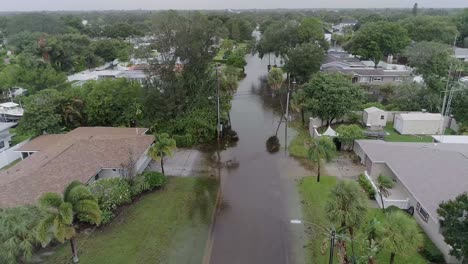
[(297, 147), (314, 196), (396, 137), (166, 226)]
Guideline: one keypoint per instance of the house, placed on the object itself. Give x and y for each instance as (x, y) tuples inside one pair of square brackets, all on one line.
[(86, 154), (461, 54), (450, 139), (418, 123), (5, 136), (327, 34), (349, 22), (374, 117), (425, 174), (364, 72)]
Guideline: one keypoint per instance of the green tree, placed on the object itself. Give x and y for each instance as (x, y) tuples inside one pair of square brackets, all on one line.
[(298, 104), (17, 233), (275, 79), (347, 134), (401, 233), (415, 9), (378, 39), (111, 49), (320, 149), (430, 28), (310, 30), (163, 146), (42, 113), (331, 96), (454, 223), (462, 25), (346, 207), (384, 184), (303, 61), (237, 60), (61, 212), (460, 107), (112, 102)]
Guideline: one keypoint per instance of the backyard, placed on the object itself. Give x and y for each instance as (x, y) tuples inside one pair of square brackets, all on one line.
[(396, 137), (166, 226), (314, 196)]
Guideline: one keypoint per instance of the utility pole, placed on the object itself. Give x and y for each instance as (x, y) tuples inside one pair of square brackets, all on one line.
[(332, 246), (218, 127)]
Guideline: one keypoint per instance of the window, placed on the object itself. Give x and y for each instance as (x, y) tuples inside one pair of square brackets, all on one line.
[(96, 177), (2, 144), (382, 117), (377, 79), (422, 213)]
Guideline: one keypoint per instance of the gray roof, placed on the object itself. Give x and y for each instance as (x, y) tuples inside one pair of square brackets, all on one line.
[(373, 109), (420, 116), (432, 173)]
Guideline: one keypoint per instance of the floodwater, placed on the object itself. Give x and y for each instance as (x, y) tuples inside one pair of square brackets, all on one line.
[(259, 196)]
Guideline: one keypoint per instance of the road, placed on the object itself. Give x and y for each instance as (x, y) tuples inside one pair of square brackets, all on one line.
[(259, 197)]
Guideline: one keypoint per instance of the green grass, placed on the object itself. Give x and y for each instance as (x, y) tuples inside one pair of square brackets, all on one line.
[(166, 226), (396, 137), (19, 137), (314, 196), (297, 147)]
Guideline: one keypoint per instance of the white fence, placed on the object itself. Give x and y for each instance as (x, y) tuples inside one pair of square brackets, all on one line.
[(403, 204), (9, 155)]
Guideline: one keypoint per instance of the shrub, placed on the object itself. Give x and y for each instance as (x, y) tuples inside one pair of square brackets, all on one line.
[(111, 193), (367, 186), (154, 179), (354, 118), (184, 141), (392, 208), (431, 253)]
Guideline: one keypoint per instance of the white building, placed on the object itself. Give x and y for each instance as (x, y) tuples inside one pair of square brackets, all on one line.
[(374, 117), (418, 123)]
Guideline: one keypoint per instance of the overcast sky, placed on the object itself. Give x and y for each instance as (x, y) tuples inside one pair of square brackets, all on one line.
[(35, 5)]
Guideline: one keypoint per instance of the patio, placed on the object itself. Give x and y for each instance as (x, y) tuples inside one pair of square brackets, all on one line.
[(397, 195)]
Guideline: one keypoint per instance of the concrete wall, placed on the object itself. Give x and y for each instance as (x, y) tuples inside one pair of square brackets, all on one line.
[(10, 155)]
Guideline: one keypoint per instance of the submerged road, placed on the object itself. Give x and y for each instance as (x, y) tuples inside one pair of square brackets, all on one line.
[(260, 196)]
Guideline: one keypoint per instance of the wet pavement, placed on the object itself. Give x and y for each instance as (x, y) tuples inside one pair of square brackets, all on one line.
[(259, 197)]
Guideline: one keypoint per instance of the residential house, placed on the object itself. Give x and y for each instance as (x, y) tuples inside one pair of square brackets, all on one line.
[(349, 22), (461, 54), (450, 139), (425, 175), (418, 123), (86, 154)]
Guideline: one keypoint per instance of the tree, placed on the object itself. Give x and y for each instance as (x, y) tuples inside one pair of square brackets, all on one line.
[(42, 113), (311, 30), (462, 25), (321, 149), (400, 234), (348, 134), (298, 104), (112, 102), (346, 207), (303, 61), (275, 79), (331, 96), (237, 60), (111, 49), (415, 9), (460, 107), (430, 28), (17, 236), (384, 184), (454, 223), (61, 212), (163, 146), (378, 39)]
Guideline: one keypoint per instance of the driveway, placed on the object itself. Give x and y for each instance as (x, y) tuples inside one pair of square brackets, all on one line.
[(184, 163)]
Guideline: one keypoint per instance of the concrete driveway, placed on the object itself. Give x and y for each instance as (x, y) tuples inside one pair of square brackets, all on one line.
[(184, 163)]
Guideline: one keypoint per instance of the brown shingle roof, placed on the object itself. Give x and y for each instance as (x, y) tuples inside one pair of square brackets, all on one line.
[(78, 155)]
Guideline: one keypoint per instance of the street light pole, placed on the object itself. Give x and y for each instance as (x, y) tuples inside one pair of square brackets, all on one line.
[(332, 246), (218, 126)]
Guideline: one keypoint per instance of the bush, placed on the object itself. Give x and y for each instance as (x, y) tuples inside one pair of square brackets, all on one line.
[(354, 118), (111, 193), (392, 208), (367, 186), (184, 141), (431, 253), (154, 179)]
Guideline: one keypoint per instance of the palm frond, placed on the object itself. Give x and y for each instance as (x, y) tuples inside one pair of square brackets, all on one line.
[(50, 200)]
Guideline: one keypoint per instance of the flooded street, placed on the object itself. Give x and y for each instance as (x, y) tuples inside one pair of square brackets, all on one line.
[(259, 197)]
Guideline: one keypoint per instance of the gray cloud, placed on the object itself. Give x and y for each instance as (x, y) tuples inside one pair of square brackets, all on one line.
[(34, 5)]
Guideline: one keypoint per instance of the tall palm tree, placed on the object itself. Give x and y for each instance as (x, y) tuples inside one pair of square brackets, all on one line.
[(321, 149), (298, 104), (401, 233), (384, 183), (61, 212), (163, 146), (346, 207)]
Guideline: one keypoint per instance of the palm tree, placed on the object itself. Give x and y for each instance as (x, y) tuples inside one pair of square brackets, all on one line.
[(298, 103), (321, 149), (401, 233), (163, 146), (61, 212), (346, 207), (384, 183), (275, 79)]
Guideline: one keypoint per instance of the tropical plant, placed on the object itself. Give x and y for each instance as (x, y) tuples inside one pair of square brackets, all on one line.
[(275, 79), (348, 134), (163, 146), (17, 233), (298, 104), (61, 212), (384, 184), (321, 149), (346, 207), (400, 234), (373, 230), (367, 186)]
